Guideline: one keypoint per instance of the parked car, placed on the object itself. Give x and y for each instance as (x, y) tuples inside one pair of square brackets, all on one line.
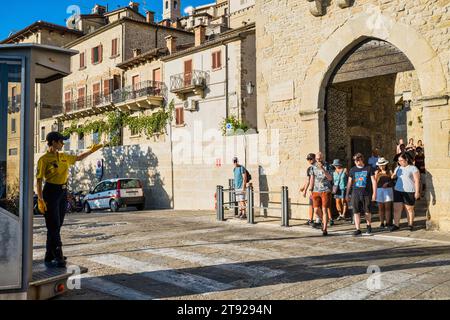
[(114, 194)]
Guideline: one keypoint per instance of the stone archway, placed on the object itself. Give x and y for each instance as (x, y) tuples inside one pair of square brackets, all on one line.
[(433, 86)]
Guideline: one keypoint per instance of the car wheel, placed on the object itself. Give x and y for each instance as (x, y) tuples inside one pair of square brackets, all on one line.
[(87, 208), (114, 206), (140, 207)]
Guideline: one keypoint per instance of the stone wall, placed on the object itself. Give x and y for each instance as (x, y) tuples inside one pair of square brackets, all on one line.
[(298, 49)]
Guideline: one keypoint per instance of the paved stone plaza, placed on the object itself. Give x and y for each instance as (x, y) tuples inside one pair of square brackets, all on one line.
[(188, 255)]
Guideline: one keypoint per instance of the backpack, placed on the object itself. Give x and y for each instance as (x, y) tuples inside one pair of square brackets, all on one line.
[(249, 176)]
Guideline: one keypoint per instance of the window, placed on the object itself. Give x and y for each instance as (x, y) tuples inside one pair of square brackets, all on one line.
[(188, 73), (13, 152), (114, 48), (134, 132), (67, 143), (217, 60), (68, 101), (81, 141), (135, 82), (95, 137), (167, 5), (108, 86), (43, 134), (96, 93), (130, 184), (175, 5), (13, 125), (81, 97), (82, 61), (97, 54), (179, 116)]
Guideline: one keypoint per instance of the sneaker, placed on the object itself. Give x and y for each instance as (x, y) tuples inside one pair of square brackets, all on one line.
[(394, 228), (316, 225), (324, 233), (244, 217), (369, 230), (411, 228), (331, 222), (308, 223), (339, 218), (357, 233)]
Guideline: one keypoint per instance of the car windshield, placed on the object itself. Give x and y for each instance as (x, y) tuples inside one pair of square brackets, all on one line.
[(130, 184)]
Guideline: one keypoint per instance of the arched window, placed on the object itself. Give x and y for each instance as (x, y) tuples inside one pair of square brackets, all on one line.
[(167, 5)]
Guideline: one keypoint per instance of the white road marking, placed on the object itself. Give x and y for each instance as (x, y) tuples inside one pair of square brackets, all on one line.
[(113, 289), (161, 273), (222, 263)]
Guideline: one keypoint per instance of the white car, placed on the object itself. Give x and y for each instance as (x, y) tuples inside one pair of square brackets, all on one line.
[(114, 194)]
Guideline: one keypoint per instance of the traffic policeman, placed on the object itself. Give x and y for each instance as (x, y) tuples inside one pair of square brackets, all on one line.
[(53, 168)]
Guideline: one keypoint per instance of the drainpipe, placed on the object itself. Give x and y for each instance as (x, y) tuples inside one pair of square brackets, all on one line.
[(227, 99)]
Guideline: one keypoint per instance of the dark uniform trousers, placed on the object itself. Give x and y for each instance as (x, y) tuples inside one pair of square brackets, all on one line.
[(55, 196)]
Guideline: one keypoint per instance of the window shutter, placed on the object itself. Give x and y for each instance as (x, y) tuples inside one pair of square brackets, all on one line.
[(106, 87), (219, 59), (93, 55), (100, 53), (213, 60)]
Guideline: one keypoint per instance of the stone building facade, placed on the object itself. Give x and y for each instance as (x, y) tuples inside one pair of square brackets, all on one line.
[(301, 43)]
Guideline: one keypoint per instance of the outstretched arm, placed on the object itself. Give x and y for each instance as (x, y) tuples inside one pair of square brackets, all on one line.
[(92, 150)]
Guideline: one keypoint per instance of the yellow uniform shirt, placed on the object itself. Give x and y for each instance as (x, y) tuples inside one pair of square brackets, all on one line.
[(54, 167)]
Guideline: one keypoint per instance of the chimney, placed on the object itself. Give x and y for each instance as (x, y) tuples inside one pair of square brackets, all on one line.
[(150, 17), (136, 52), (200, 35), (98, 9), (171, 43), (134, 6)]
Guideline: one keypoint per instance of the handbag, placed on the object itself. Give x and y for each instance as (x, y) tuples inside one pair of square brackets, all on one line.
[(335, 190)]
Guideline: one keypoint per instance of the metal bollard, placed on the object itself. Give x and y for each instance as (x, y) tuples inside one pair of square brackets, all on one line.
[(250, 205), (232, 196), (220, 214), (284, 207)]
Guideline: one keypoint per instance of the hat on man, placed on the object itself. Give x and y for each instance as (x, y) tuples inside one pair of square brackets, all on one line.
[(382, 162), (55, 136), (337, 163)]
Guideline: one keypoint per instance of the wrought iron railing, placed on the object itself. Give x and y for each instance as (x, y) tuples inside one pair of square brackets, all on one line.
[(188, 79), (139, 90)]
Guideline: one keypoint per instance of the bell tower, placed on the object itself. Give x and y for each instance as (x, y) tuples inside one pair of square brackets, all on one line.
[(172, 9)]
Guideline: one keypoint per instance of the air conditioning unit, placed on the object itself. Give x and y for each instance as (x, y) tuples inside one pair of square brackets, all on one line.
[(191, 105)]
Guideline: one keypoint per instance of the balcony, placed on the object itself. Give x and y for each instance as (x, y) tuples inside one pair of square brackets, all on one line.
[(194, 82), (86, 106), (140, 96), (14, 104)]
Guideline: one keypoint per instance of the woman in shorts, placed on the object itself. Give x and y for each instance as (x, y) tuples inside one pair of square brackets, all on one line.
[(385, 193), (406, 190)]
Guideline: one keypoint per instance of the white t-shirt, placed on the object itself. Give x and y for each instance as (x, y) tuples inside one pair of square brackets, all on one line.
[(405, 178)]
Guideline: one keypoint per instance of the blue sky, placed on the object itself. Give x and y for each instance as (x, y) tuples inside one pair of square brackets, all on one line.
[(18, 14)]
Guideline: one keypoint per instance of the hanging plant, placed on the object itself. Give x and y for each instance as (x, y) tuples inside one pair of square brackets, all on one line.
[(234, 124), (117, 120)]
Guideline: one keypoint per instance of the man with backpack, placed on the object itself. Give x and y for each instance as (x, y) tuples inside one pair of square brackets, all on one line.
[(241, 179)]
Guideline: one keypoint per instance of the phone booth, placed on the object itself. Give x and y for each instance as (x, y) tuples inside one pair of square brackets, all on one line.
[(21, 67)]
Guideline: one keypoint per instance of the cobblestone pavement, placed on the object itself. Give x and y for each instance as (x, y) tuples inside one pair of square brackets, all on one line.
[(189, 255)]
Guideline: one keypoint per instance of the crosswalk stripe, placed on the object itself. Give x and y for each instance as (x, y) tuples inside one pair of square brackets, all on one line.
[(222, 263), (113, 289), (39, 254), (161, 273)]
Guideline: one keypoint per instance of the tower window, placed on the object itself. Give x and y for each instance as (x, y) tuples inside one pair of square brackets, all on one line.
[(175, 5), (167, 5)]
